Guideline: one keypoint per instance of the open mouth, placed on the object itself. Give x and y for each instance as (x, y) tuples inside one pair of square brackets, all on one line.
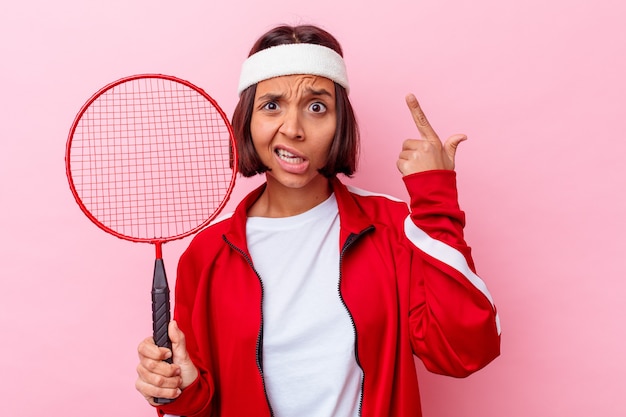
[(289, 157)]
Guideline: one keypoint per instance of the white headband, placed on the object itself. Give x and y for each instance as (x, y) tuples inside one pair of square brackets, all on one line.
[(296, 58)]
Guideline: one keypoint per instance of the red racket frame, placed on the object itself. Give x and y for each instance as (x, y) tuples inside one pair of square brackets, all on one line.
[(158, 242)]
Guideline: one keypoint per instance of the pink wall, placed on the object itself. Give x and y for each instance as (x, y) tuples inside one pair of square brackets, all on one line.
[(537, 86)]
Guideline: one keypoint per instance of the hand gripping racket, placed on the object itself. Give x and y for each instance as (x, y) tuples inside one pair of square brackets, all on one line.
[(151, 158)]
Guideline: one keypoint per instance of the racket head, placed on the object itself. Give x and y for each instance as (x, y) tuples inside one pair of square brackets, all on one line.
[(151, 158)]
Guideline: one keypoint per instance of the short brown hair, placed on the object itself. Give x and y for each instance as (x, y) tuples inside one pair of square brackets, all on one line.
[(343, 154)]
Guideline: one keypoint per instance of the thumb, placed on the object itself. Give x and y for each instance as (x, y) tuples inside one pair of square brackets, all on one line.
[(451, 145), (179, 345), (188, 371)]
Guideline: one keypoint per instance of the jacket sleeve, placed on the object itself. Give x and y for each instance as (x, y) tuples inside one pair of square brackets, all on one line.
[(453, 321), (195, 400)]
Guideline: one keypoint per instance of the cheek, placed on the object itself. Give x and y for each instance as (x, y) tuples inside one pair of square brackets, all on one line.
[(324, 143), (327, 133), (261, 132)]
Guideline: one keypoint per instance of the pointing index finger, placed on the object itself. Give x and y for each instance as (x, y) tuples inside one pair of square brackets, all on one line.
[(422, 123)]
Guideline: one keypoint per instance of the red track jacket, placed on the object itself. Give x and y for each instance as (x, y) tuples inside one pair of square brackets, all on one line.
[(407, 280)]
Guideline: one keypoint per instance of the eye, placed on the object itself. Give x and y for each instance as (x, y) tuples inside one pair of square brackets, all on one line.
[(270, 105), (317, 107)]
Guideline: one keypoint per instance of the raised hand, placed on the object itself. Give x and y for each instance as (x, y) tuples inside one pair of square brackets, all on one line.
[(157, 378), (426, 153)]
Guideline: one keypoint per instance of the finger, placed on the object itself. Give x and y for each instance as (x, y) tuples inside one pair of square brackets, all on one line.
[(148, 349), (188, 370), (171, 380), (151, 391), (152, 358), (159, 367), (422, 123), (179, 345), (452, 144), (412, 144)]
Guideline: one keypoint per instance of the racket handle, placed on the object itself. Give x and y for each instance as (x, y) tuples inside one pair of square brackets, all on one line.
[(161, 313)]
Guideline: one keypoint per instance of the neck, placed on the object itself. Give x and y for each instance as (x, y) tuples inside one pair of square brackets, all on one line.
[(280, 201)]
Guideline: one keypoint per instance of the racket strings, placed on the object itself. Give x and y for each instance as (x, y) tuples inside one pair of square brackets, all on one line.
[(151, 161)]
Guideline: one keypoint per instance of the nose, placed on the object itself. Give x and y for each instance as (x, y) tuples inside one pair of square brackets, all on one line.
[(291, 125)]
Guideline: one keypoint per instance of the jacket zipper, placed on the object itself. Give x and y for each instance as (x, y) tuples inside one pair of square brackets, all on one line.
[(259, 342), (259, 339), (349, 241)]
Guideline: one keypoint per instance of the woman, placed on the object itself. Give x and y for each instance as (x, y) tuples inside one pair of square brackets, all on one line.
[(312, 298)]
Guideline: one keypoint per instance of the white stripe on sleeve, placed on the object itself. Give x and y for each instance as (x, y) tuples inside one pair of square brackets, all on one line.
[(448, 255)]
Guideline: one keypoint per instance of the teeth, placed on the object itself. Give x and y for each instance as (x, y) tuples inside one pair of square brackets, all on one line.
[(288, 156)]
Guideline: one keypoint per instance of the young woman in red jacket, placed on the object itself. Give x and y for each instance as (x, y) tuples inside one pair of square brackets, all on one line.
[(313, 297)]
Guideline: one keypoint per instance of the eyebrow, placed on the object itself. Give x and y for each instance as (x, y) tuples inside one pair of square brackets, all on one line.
[(322, 92), (311, 91)]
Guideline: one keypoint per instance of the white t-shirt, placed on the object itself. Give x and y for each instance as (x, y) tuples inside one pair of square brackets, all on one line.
[(309, 362)]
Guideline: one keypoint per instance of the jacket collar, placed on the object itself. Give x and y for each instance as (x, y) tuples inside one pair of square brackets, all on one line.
[(352, 218)]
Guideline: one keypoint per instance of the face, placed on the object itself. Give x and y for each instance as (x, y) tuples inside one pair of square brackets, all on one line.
[(293, 124)]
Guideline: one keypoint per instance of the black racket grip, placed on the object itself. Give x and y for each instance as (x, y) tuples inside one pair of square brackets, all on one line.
[(161, 313)]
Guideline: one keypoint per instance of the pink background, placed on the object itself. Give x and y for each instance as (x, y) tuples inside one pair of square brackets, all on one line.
[(537, 85)]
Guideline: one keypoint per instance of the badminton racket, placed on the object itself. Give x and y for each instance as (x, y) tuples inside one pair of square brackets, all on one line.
[(151, 158)]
